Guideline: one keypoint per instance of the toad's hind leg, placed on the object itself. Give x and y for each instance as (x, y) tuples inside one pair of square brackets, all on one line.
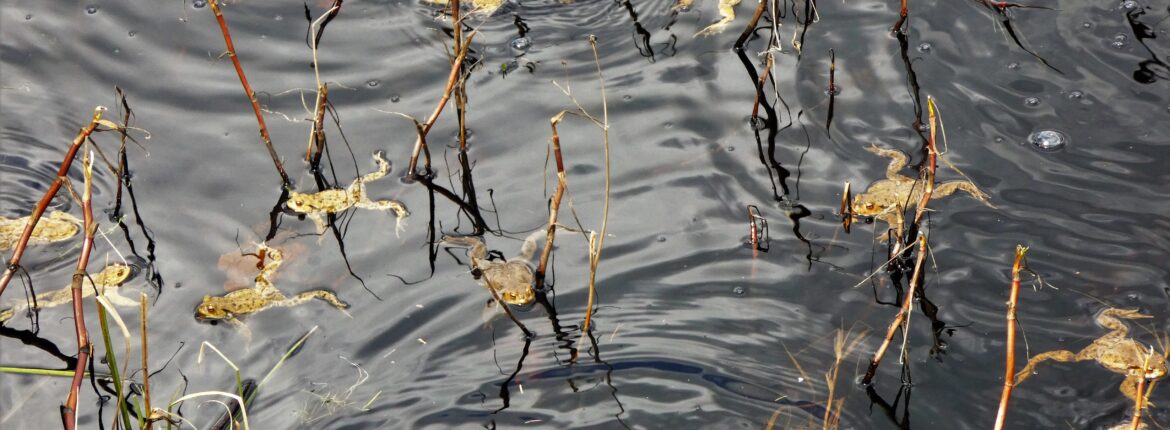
[(727, 11), (1108, 318), (528, 248), (383, 168), (898, 160), (1129, 388), (1059, 355), (948, 188), (395, 206), (325, 295)]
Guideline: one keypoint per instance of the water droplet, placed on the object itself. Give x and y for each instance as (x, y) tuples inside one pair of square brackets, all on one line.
[(627, 97), (91, 9), (28, 17), (372, 83), (278, 18), (521, 43), (1119, 40), (1048, 140), (1076, 95), (1117, 44), (117, 51), (133, 33), (199, 4), (833, 90), (661, 238), (394, 98), (800, 379), (1129, 4), (1087, 24), (1032, 102), (738, 291), (1013, 65), (924, 48)]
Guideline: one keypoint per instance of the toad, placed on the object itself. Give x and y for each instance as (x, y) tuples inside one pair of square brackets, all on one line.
[(318, 205), (886, 198), (478, 7), (104, 282), (1115, 351), (512, 279), (56, 227), (261, 296), (726, 13)]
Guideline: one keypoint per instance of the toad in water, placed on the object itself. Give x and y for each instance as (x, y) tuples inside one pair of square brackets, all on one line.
[(104, 282), (726, 14), (1115, 351), (56, 227), (263, 295), (511, 280), (318, 205), (886, 198)]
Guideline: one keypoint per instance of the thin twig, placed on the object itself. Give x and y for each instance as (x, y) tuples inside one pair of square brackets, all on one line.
[(142, 300), (84, 348), (554, 205), (907, 307), (595, 251), (1009, 378), (452, 77)]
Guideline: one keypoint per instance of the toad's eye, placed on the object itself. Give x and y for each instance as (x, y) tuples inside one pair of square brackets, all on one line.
[(869, 205)]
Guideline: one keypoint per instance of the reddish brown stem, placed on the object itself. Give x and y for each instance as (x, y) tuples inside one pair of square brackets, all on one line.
[(62, 172), (452, 78), (1009, 377), (231, 50), (907, 307), (84, 349), (554, 204)]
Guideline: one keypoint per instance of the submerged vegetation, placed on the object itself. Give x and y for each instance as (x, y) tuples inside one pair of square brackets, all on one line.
[(137, 389)]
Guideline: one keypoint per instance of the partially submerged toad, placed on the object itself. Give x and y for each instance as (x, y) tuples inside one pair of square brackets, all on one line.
[(886, 198), (104, 282), (1115, 351), (512, 279), (56, 227), (726, 13), (263, 295), (318, 205), (479, 7)]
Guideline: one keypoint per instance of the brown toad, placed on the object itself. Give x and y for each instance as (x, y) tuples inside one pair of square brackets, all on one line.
[(319, 204), (56, 227), (105, 282), (886, 198), (726, 14), (1115, 351), (512, 279), (263, 295)]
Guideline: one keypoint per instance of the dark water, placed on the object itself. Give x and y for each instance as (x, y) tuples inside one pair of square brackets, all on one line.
[(692, 329)]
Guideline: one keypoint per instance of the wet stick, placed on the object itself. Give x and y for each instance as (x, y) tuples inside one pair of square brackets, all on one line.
[(84, 348), (1009, 378), (452, 77), (317, 134), (231, 50), (554, 205), (145, 361), (62, 172), (903, 313)]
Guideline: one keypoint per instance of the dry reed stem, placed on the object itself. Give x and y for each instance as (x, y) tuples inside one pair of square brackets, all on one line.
[(847, 207), (62, 174), (907, 307), (317, 135), (595, 246), (554, 205), (231, 50), (1009, 378), (145, 359), (452, 78), (84, 348), (842, 347)]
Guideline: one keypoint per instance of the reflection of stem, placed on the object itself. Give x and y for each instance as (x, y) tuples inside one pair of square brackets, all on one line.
[(231, 50), (84, 348), (1009, 378), (62, 174)]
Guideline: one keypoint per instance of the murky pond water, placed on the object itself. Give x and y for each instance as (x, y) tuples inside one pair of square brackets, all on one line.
[(1060, 117)]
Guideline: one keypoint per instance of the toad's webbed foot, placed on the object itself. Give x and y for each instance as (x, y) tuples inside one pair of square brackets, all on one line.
[(948, 188)]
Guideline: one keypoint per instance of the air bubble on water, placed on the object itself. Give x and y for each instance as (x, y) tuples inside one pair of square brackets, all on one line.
[(738, 291), (998, 139), (1032, 102), (1087, 24), (1117, 44), (133, 33), (394, 98), (199, 4), (1048, 140), (924, 127), (833, 90), (1129, 4), (278, 18), (117, 51), (668, 125), (627, 97), (730, 148), (924, 48), (372, 83), (28, 17), (661, 238), (521, 43), (1076, 95), (1013, 65), (91, 9)]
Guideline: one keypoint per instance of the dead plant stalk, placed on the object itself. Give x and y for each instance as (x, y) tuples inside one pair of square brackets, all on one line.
[(1009, 378), (84, 348), (903, 313), (452, 78)]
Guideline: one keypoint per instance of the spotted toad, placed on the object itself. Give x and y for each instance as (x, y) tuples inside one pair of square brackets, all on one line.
[(886, 198), (318, 205), (263, 295), (726, 13), (106, 282), (1115, 351), (512, 279), (56, 227)]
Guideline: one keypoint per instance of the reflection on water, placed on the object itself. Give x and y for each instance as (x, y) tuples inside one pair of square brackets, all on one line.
[(1052, 113)]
